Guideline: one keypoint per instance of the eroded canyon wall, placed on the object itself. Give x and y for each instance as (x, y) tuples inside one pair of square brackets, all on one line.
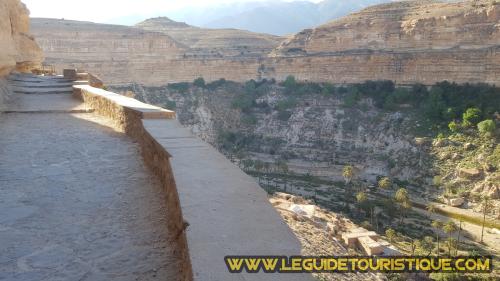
[(18, 50), (407, 42)]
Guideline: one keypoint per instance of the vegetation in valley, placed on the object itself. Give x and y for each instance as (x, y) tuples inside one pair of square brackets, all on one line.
[(454, 126)]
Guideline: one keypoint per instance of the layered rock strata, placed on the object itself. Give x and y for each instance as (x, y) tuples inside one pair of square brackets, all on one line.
[(407, 42)]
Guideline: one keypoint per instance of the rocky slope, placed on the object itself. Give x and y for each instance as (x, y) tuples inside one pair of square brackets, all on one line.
[(406, 42), (314, 134), (18, 50), (318, 129)]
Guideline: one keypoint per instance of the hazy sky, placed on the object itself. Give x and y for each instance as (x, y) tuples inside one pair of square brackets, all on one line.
[(118, 11)]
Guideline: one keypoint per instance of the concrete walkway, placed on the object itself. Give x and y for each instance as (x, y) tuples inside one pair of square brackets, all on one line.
[(76, 201)]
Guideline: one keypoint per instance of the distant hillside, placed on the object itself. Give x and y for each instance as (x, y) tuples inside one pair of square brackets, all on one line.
[(213, 42)]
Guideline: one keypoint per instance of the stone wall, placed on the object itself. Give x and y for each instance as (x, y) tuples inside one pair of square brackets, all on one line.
[(214, 208), (128, 118)]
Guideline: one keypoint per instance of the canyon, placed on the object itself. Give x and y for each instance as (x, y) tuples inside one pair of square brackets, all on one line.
[(406, 42)]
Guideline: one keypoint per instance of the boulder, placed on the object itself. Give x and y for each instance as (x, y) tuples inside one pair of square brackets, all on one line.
[(303, 210), (469, 173), (468, 146), (456, 202), (423, 141), (441, 143), (493, 192)]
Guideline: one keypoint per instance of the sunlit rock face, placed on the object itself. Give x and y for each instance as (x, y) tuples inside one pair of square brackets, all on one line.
[(407, 42), (155, 52), (18, 50)]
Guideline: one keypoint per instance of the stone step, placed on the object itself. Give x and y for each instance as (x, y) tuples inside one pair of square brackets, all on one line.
[(25, 90), (42, 85)]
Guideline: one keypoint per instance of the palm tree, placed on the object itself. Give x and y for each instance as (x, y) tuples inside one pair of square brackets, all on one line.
[(403, 199), (348, 173), (384, 183), (426, 244), (449, 227), (437, 225), (486, 206), (361, 198), (390, 234), (458, 238), (401, 195), (415, 243)]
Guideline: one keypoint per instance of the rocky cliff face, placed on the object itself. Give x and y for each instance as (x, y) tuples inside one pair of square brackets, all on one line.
[(18, 50), (149, 53), (318, 136), (407, 42)]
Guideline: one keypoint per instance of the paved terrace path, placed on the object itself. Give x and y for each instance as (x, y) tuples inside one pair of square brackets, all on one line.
[(76, 202)]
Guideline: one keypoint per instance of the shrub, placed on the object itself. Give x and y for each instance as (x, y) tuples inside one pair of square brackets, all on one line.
[(486, 126), (243, 102), (290, 82), (286, 104), (454, 126), (284, 115), (328, 89), (180, 87), (216, 84), (170, 104), (199, 82), (471, 116), (352, 97), (249, 120)]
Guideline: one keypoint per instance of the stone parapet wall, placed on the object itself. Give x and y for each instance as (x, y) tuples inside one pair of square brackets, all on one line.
[(214, 208), (127, 114)]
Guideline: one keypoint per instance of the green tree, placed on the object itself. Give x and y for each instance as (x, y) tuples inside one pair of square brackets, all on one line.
[(486, 206), (486, 126), (290, 82), (384, 183), (471, 116), (361, 197), (450, 227), (401, 195), (390, 234), (199, 82), (437, 225), (427, 244), (454, 127), (403, 200), (348, 173)]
